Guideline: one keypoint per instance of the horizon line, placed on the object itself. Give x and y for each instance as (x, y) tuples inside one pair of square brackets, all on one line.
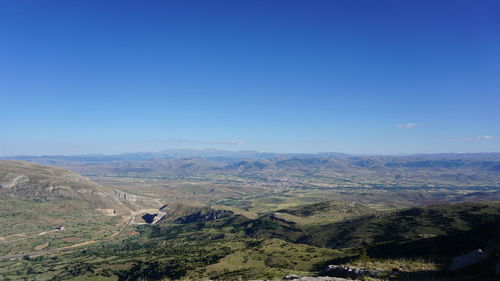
[(179, 150)]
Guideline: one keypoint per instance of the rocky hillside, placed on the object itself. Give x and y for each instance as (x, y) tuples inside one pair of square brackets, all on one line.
[(28, 181), (36, 198), (205, 214)]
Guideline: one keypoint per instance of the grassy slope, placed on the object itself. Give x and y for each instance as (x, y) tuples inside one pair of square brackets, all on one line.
[(324, 212), (34, 199), (238, 247), (405, 225)]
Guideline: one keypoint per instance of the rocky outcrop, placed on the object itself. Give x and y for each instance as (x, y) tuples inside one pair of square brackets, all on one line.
[(163, 213), (468, 259), (184, 214), (204, 215), (12, 180), (123, 196), (348, 272)]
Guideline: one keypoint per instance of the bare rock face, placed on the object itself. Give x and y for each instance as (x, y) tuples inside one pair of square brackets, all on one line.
[(204, 215), (123, 196), (468, 259), (348, 272), (12, 180), (162, 214)]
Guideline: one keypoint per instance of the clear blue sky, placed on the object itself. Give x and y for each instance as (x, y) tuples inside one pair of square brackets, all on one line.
[(286, 76)]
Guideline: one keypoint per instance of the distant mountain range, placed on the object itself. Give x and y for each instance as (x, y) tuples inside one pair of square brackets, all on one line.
[(224, 155), (335, 169), (214, 154), (198, 236)]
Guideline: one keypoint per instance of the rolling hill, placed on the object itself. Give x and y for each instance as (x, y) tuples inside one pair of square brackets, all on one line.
[(227, 226), (34, 199), (424, 224), (28, 181), (430, 170)]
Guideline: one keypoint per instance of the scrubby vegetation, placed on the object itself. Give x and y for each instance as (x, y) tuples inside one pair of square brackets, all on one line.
[(220, 227), (235, 247)]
